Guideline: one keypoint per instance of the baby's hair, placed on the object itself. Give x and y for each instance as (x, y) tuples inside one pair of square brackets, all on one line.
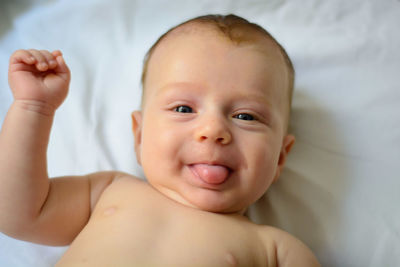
[(233, 27)]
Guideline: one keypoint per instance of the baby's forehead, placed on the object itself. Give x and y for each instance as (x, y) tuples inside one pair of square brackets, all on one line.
[(199, 37), (204, 38), (207, 39), (188, 54)]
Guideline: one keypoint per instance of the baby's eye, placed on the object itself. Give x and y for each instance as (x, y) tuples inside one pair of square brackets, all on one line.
[(244, 116), (183, 109)]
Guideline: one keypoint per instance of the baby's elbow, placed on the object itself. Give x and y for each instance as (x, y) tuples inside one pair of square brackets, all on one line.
[(15, 229), (31, 232)]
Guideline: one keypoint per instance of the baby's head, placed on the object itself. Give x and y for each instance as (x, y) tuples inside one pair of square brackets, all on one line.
[(212, 132)]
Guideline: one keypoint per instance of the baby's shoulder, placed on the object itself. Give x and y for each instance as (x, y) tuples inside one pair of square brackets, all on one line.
[(128, 181), (289, 251), (106, 182), (119, 188), (124, 178)]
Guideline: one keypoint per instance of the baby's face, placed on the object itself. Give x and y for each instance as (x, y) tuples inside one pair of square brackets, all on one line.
[(212, 131)]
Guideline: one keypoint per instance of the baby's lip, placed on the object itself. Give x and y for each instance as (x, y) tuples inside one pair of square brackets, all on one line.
[(222, 163)]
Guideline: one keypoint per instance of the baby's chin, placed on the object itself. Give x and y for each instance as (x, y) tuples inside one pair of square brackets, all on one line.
[(206, 202), (217, 207), (222, 200)]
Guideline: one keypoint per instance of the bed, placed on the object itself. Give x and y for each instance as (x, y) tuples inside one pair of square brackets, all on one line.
[(340, 190)]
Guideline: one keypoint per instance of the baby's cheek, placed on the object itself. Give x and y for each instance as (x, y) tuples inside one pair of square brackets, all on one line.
[(160, 143), (265, 164)]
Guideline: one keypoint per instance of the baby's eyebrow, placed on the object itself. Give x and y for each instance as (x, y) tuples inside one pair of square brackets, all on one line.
[(254, 97), (180, 85)]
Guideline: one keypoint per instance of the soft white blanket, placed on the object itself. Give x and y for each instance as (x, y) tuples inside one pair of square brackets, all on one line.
[(340, 192)]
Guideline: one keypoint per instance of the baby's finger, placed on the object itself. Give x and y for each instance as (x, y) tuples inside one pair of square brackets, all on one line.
[(56, 53), (62, 69), (51, 61), (23, 56), (41, 62)]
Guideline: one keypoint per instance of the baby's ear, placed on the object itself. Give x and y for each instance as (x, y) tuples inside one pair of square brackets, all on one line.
[(287, 145), (137, 132)]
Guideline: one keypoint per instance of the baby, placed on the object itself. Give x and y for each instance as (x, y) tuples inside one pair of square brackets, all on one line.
[(211, 137)]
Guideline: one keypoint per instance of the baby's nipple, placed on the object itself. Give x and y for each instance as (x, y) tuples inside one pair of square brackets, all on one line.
[(109, 211), (231, 259)]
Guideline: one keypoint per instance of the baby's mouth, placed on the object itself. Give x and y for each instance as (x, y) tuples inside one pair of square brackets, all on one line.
[(209, 173)]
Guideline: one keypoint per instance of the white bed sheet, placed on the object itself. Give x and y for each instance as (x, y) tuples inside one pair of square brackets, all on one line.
[(340, 190)]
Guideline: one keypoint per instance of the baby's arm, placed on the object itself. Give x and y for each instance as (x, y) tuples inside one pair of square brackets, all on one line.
[(292, 252), (285, 250), (33, 207)]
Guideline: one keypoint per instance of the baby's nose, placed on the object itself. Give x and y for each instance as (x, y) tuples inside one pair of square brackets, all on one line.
[(215, 130)]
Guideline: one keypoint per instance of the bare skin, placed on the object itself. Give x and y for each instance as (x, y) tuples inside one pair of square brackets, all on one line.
[(156, 231), (114, 219)]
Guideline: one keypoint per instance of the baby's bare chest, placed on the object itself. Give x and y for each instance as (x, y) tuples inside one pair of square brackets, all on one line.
[(146, 230)]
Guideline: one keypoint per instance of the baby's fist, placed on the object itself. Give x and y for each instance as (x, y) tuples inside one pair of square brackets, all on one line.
[(39, 78)]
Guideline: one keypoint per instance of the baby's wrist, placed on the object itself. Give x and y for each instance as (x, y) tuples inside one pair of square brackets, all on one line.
[(36, 106)]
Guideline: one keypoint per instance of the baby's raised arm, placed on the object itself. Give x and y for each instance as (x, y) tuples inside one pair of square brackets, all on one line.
[(33, 207)]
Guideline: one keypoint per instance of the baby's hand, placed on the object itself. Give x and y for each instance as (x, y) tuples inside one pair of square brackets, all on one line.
[(39, 78)]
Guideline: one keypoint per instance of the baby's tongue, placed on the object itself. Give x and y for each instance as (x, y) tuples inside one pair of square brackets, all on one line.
[(212, 174)]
